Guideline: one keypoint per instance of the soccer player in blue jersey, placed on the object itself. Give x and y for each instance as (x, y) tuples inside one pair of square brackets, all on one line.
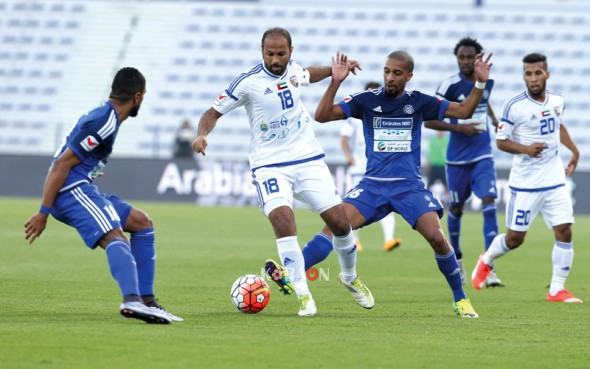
[(101, 219), (470, 164), (392, 119)]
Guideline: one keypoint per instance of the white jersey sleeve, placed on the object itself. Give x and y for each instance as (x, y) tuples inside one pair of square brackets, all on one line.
[(234, 96)]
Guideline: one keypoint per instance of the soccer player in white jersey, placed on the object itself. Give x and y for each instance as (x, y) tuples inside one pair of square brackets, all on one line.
[(531, 128), (287, 161), (352, 142)]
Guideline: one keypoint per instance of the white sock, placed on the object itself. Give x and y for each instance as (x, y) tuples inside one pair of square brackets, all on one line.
[(346, 251), (562, 257), (355, 233), (496, 249), (388, 226), (292, 259)]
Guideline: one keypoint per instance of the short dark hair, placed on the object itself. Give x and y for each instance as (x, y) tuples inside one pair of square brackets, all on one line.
[(534, 58), (469, 42), (276, 31), (127, 82), (372, 84), (402, 55)]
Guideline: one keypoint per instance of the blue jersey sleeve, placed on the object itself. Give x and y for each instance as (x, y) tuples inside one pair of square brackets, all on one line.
[(352, 107), (433, 108), (84, 139)]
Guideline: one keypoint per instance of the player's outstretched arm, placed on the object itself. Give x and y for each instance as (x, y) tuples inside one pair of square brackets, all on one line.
[(465, 109), (206, 125), (327, 111), (439, 125), (56, 177), (566, 140), (533, 150)]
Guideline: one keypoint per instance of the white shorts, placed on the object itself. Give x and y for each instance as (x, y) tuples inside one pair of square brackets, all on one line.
[(310, 182), (523, 207)]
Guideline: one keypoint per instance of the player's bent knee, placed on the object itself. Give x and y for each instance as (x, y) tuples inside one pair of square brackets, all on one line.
[(138, 220), (563, 232), (514, 240), (115, 234), (336, 220)]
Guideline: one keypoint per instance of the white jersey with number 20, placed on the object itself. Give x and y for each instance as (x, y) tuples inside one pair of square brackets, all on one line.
[(528, 121)]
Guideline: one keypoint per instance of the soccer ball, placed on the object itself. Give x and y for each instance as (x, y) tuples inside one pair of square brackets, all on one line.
[(250, 294)]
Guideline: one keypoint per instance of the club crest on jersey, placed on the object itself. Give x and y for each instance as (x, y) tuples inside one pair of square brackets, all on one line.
[(264, 127), (294, 81), (89, 143), (409, 109), (282, 86)]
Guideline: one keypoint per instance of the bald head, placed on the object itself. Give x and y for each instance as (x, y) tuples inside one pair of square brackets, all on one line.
[(403, 57)]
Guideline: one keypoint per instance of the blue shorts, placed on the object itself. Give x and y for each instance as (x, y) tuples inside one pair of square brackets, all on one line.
[(409, 198), (92, 213), (478, 177)]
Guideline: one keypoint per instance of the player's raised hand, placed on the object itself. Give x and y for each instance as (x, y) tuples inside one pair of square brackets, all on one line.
[(200, 144), (482, 67), (353, 66), (35, 226), (340, 68)]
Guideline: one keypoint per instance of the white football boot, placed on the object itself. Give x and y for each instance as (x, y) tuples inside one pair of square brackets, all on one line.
[(137, 310)]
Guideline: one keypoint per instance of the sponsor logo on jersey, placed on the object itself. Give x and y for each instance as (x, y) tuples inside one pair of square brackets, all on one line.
[(378, 109), (294, 81), (89, 143), (409, 109), (268, 91), (282, 86)]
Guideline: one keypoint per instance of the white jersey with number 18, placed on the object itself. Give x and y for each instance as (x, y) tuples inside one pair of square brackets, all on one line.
[(281, 128)]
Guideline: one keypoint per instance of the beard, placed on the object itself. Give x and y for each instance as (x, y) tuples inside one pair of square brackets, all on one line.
[(134, 111)]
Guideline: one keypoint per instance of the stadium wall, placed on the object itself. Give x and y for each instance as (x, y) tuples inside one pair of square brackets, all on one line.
[(58, 57), (203, 182)]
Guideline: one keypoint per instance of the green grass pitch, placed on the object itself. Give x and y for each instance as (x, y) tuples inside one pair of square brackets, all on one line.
[(59, 305)]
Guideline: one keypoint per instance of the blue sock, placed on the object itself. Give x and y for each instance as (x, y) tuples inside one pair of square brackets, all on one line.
[(122, 267), (454, 226), (448, 265), (490, 224), (144, 252), (316, 250)]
